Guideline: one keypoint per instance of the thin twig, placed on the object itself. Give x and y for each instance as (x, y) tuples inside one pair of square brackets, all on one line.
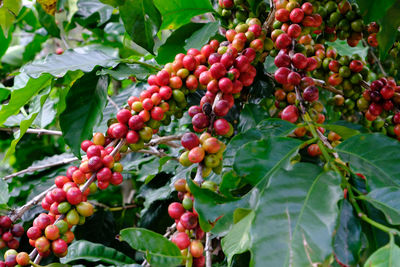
[(267, 26), (208, 250), (199, 174), (163, 140), (33, 131), (328, 87), (113, 103), (36, 168), (377, 61), (16, 214)]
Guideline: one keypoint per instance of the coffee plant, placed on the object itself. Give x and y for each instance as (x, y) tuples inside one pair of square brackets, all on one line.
[(199, 133)]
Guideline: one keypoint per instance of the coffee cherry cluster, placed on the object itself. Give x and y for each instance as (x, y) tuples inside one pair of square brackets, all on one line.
[(234, 12), (206, 150), (9, 233), (13, 258), (373, 29), (189, 236), (107, 168)]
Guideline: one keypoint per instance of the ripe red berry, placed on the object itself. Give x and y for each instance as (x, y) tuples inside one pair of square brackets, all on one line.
[(74, 196), (282, 60), (375, 109), (193, 110), (95, 163), (196, 154), (217, 70), (299, 61), (283, 41), (175, 210), (181, 239), (307, 8), (256, 29), (58, 194), (189, 62), (387, 92), (123, 115), (290, 113), (314, 150), (221, 108), (294, 30), (162, 78), (17, 230), (221, 126), (296, 15), (34, 232), (225, 85), (119, 130), (294, 78), (282, 15), (356, 66), (196, 248), (200, 121), (132, 137), (281, 75), (188, 220), (85, 144), (116, 178), (311, 93), (190, 140), (52, 232), (5, 222), (242, 63)]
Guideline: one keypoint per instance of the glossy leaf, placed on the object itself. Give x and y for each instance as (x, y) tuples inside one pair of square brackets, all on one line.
[(238, 239), (289, 204), (159, 250), (379, 165), (174, 43), (387, 256), (9, 10), (374, 10), (347, 244), (176, 13), (22, 91), (343, 131), (255, 159), (37, 104), (202, 36), (48, 21), (142, 21), (71, 60), (93, 252), (85, 103), (389, 25), (250, 116), (344, 49), (386, 200), (88, 8), (4, 42)]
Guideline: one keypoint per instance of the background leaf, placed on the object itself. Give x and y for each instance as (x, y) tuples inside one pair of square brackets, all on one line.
[(176, 13), (160, 251), (93, 252), (85, 102), (387, 256), (142, 21)]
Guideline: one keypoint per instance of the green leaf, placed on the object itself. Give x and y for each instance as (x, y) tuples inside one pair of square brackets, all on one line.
[(295, 215), (347, 244), (93, 252), (71, 60), (174, 44), (388, 32), (255, 159), (202, 36), (386, 200), (250, 116), (374, 10), (379, 165), (9, 10), (159, 250), (176, 13), (4, 42), (13, 56), (124, 71), (85, 103), (142, 21), (344, 49), (87, 8), (238, 239), (35, 45), (275, 127), (4, 195), (48, 21), (22, 91), (37, 104), (387, 256), (343, 131)]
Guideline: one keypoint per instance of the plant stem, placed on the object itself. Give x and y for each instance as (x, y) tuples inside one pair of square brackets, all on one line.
[(33, 131)]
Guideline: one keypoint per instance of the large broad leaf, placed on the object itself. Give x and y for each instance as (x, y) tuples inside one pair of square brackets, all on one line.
[(37, 105), (343, 131), (250, 116), (344, 49), (255, 159), (374, 10), (71, 60), (85, 103), (386, 199), (174, 44), (380, 165), (295, 215), (87, 8), (48, 21), (176, 13), (389, 25), (387, 256), (9, 10), (159, 250), (22, 91), (210, 205), (347, 244), (85, 250), (4, 42), (202, 36), (142, 21)]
